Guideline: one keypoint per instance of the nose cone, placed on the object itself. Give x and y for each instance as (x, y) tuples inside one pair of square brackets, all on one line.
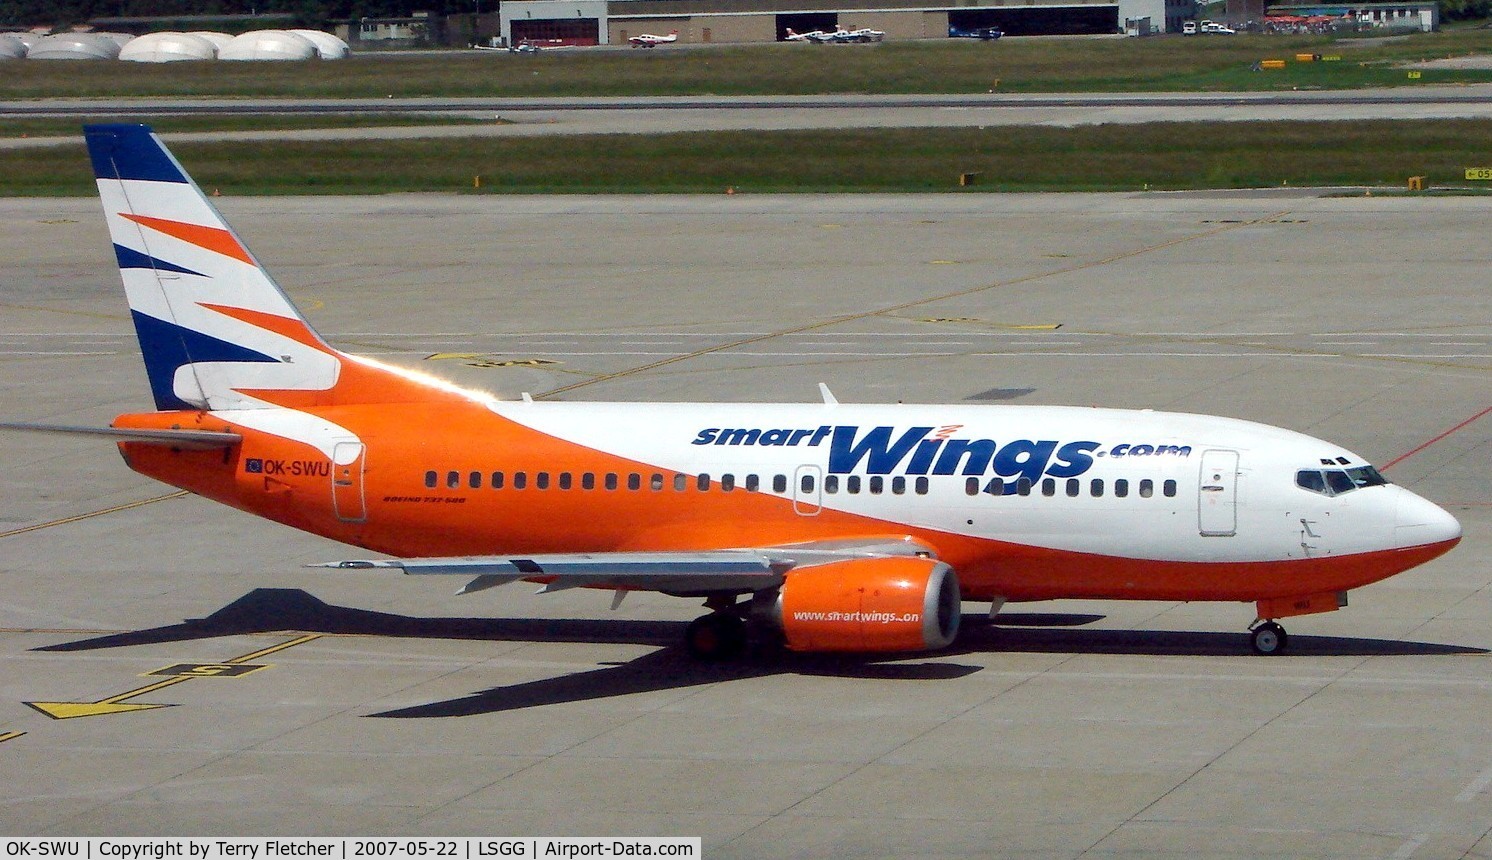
[(1420, 522)]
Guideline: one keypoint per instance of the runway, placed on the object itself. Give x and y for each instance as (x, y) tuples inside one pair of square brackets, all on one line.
[(530, 117), (295, 701)]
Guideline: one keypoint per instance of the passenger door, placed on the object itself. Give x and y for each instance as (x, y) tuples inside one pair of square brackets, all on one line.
[(1217, 494)]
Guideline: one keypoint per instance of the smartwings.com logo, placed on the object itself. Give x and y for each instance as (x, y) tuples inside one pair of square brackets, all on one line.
[(935, 451)]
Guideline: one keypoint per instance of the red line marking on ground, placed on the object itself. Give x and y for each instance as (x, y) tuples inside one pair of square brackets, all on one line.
[(1405, 456)]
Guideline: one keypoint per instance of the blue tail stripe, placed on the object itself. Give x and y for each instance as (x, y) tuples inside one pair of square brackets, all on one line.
[(129, 258), (121, 151), (166, 346)]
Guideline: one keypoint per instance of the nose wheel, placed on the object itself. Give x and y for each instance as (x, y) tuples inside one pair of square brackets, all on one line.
[(1268, 638)]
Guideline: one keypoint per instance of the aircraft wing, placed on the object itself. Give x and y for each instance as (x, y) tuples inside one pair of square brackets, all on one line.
[(674, 572), (192, 439)]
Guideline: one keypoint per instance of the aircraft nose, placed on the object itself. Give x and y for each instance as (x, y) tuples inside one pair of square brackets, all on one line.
[(1420, 522)]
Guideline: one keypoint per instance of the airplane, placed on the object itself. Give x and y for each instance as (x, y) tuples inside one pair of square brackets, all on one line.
[(988, 34), (648, 40), (821, 527), (818, 37), (864, 34), (810, 36)]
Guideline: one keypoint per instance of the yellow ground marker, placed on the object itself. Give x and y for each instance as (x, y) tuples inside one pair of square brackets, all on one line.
[(118, 705)]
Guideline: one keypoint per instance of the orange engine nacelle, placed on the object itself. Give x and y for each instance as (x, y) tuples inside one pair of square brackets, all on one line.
[(879, 604)]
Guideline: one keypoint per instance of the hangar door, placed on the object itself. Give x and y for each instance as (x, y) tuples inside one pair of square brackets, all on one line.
[(557, 31)]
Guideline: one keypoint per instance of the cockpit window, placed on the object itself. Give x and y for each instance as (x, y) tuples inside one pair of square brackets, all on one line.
[(1334, 482)]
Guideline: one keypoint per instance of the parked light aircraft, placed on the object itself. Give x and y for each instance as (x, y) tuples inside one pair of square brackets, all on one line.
[(988, 34), (818, 37), (648, 40), (828, 526)]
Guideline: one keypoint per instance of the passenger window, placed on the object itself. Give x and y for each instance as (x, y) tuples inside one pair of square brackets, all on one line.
[(634, 481), (877, 484), (430, 479), (588, 481), (831, 483), (1095, 489), (1147, 488), (1168, 489), (453, 480), (1049, 487), (611, 483), (852, 484), (971, 486), (497, 480), (474, 480), (898, 485), (564, 480), (541, 480), (656, 482), (681, 482), (1074, 486), (520, 480), (702, 482), (995, 487), (779, 483), (1023, 487), (806, 484), (922, 486), (1121, 488), (752, 483), (727, 482)]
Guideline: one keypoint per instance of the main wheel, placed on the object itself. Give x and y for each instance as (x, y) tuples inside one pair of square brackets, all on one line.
[(1268, 638), (715, 637)]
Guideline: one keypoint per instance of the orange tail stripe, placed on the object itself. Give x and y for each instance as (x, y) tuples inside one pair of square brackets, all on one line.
[(211, 238)]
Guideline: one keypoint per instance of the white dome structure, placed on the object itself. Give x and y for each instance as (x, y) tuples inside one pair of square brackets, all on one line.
[(218, 40), (168, 47), (11, 48), (29, 39), (268, 45), (74, 46), (328, 47)]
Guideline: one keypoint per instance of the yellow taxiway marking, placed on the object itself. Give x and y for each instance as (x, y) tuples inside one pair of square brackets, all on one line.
[(114, 510), (9, 736), (118, 705)]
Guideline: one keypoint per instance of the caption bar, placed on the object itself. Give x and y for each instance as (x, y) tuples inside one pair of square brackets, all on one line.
[(348, 848)]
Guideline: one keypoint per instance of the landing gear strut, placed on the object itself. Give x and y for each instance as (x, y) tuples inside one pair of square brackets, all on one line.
[(715, 637), (1268, 637)]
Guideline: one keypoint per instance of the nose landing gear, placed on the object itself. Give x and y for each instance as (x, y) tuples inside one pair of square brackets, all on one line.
[(1267, 637)]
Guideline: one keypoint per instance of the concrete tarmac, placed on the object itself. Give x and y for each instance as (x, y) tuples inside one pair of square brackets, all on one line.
[(318, 702)]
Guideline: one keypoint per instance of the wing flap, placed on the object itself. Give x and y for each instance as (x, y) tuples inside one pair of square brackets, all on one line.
[(674, 572)]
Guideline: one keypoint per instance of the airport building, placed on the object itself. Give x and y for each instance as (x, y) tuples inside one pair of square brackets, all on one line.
[(610, 22)]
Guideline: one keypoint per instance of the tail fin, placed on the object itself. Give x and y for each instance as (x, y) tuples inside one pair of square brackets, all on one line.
[(215, 329)]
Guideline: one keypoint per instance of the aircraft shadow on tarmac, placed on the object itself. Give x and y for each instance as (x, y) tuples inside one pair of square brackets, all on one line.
[(268, 610)]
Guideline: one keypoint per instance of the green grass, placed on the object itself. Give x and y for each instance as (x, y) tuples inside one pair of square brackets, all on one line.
[(1108, 157), (58, 126), (955, 66)]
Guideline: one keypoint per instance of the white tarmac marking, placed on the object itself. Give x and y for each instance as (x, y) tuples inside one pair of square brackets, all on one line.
[(1476, 786)]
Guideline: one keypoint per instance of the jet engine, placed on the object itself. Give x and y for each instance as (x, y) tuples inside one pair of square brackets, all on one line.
[(874, 604)]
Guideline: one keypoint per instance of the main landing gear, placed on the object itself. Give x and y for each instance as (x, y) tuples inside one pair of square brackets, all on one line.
[(1267, 637), (719, 636)]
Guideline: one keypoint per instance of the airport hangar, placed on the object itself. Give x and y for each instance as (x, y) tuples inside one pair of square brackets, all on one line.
[(612, 22)]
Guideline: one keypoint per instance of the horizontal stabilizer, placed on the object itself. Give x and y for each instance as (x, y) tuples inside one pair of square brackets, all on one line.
[(196, 440)]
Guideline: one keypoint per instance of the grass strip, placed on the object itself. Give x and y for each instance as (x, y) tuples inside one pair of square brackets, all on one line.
[(1217, 63), (59, 126), (1009, 158)]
